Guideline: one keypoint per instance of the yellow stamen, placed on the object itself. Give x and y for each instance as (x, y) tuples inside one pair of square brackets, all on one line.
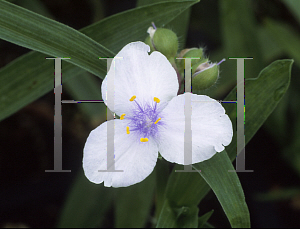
[(156, 100), (127, 129), (122, 116), (132, 98), (144, 139), (157, 121)]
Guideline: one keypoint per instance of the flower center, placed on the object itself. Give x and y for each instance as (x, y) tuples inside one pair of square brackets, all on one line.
[(144, 119)]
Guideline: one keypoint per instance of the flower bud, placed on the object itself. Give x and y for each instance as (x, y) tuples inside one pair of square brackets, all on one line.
[(162, 40), (205, 76), (192, 53)]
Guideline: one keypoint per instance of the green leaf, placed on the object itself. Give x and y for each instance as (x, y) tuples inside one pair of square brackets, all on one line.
[(167, 217), (178, 217), (33, 31), (31, 76), (240, 34), (133, 204), (261, 97), (208, 225), (227, 187), (86, 204), (28, 78), (285, 37), (162, 174), (278, 118), (239, 39), (185, 189), (224, 184), (237, 20), (279, 194), (294, 6), (120, 29), (270, 48), (204, 218), (35, 6)]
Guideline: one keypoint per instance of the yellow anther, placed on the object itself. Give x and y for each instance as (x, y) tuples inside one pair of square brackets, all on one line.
[(122, 116), (144, 139), (156, 100), (127, 129), (132, 98), (157, 121)]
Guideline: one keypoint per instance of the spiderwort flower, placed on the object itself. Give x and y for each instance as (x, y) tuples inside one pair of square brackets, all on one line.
[(151, 120)]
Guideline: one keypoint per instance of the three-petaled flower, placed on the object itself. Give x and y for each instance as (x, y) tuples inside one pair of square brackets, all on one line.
[(151, 120)]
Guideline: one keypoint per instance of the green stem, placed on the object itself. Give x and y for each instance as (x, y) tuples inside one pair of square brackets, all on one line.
[(162, 175)]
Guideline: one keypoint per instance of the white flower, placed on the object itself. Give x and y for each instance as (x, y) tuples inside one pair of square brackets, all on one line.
[(152, 120)]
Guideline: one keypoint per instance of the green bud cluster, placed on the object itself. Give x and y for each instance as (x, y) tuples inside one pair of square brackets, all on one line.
[(204, 73), (162, 40), (192, 53), (205, 76)]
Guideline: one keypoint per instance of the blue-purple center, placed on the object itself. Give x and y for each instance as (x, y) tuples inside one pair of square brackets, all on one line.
[(143, 119)]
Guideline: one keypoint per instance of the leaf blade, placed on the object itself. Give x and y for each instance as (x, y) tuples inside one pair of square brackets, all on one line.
[(31, 76), (271, 84), (185, 189), (202, 220), (227, 188), (86, 204), (24, 28)]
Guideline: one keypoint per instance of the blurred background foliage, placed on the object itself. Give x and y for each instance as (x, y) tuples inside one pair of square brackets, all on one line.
[(267, 30)]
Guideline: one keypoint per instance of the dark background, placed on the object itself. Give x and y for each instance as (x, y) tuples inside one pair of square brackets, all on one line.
[(30, 197)]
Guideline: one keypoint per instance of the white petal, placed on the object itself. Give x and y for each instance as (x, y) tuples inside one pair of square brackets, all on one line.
[(211, 129), (136, 159), (140, 74)]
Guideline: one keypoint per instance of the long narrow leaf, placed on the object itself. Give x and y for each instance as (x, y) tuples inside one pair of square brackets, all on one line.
[(33, 31), (262, 95), (294, 6), (86, 204), (31, 76), (227, 188), (286, 37)]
